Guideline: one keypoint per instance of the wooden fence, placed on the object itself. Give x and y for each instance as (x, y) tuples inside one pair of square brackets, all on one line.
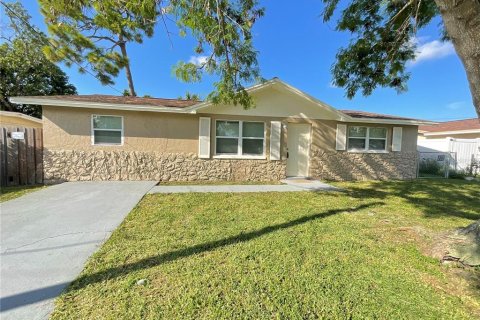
[(21, 159)]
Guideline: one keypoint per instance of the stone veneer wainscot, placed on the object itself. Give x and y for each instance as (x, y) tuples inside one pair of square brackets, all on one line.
[(363, 166), (70, 165), (100, 165)]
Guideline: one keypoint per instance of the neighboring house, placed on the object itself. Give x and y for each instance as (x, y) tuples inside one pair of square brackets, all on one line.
[(17, 119), (460, 129), (288, 133), (459, 140)]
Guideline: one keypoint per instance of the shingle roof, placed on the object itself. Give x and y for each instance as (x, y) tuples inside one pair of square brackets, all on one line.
[(181, 103), (101, 98), (457, 125), (371, 115)]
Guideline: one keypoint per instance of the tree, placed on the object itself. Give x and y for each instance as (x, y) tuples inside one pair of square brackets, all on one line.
[(190, 96), (24, 70), (384, 41), (223, 30), (92, 30), (97, 32)]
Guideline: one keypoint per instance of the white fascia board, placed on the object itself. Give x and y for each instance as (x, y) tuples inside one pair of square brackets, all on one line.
[(390, 121), (95, 105), (441, 133)]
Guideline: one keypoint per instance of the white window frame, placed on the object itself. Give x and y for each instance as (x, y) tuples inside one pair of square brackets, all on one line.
[(93, 131), (240, 138), (367, 140)]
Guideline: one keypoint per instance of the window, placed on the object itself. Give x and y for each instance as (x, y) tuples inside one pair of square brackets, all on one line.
[(367, 139), (239, 138), (107, 130)]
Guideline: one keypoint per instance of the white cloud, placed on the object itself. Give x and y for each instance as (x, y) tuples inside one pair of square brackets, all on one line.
[(198, 60), (432, 50), (456, 105)]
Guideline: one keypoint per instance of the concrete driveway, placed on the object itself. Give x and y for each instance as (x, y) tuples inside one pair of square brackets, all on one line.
[(47, 236)]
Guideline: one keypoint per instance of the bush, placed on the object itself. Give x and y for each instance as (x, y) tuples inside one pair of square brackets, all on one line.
[(474, 168), (430, 167), (457, 174)]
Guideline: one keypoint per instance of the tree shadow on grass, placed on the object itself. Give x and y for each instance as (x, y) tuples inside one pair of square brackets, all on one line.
[(436, 198), (25, 298)]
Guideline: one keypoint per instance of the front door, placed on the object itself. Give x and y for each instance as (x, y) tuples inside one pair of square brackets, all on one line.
[(298, 144)]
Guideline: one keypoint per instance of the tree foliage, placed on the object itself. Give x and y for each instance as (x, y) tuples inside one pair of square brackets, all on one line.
[(223, 31), (383, 42), (190, 96), (97, 32), (92, 31), (24, 70)]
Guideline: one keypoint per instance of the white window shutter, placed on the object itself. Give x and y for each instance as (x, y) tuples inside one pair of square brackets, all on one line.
[(275, 138), (341, 137), (204, 138), (397, 139)]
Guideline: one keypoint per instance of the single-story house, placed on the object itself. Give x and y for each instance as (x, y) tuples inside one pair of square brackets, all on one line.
[(288, 133), (17, 119), (459, 129)]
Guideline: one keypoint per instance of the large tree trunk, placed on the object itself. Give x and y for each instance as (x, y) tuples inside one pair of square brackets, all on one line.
[(462, 22), (128, 72)]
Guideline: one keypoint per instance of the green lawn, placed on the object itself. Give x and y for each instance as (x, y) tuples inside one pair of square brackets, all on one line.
[(196, 183), (353, 255), (9, 193)]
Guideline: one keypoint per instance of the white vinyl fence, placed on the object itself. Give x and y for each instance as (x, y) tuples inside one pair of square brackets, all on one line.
[(463, 152)]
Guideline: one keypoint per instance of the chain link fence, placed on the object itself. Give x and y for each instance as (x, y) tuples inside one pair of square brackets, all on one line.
[(435, 164)]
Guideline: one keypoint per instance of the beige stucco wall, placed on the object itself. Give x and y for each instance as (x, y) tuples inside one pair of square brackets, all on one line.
[(164, 146), (323, 132), (279, 103), (19, 122), (70, 129)]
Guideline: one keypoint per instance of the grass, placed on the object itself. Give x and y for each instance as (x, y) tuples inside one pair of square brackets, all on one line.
[(9, 193), (183, 183), (361, 254)]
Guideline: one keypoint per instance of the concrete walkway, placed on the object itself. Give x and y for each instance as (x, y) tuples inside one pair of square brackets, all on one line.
[(47, 236), (309, 184), (291, 185)]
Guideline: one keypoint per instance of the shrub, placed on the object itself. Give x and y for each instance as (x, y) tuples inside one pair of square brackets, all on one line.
[(474, 168), (430, 167), (457, 174)]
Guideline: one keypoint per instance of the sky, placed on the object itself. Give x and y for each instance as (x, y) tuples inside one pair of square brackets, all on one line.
[(295, 45)]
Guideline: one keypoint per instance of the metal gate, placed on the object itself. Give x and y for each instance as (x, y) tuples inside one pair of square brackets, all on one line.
[(21, 156), (466, 150), (435, 164)]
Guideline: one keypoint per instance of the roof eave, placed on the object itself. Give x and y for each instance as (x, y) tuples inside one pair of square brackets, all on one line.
[(21, 115), (412, 122), (95, 105), (441, 133)]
